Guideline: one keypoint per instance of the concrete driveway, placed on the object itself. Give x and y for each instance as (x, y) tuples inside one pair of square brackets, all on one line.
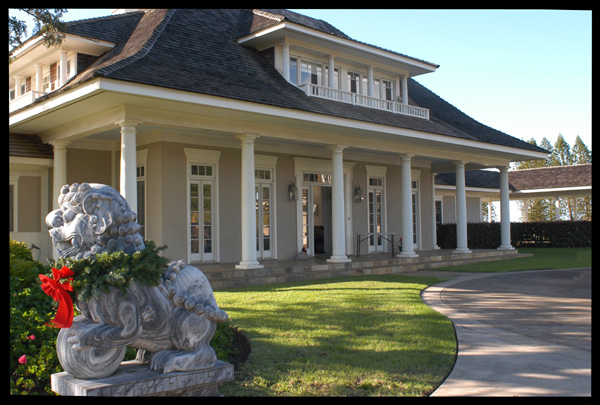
[(519, 334)]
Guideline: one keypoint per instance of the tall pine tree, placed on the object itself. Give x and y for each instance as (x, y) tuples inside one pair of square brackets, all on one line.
[(561, 154)]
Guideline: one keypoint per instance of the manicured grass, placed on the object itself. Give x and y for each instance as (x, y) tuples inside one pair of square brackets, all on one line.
[(361, 336), (543, 258)]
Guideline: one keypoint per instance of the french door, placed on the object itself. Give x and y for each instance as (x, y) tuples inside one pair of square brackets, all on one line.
[(307, 219), (264, 209), (202, 245), (375, 201)]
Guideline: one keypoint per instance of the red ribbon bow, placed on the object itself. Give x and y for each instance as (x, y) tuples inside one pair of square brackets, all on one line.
[(58, 291)]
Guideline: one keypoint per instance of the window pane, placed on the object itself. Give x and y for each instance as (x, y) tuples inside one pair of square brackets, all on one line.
[(294, 70)]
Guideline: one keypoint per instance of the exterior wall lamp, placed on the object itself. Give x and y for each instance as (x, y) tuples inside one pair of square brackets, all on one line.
[(358, 194), (292, 192)]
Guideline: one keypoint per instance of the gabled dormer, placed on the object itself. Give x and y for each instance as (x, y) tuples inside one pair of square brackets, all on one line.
[(326, 63), (38, 70)]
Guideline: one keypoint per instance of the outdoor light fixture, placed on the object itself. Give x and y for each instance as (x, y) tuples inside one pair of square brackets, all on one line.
[(358, 194), (292, 191)]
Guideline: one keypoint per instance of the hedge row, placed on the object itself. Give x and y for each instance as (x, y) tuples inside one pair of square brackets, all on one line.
[(484, 235)]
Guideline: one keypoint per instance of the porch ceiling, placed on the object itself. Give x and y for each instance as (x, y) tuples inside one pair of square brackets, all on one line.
[(92, 111)]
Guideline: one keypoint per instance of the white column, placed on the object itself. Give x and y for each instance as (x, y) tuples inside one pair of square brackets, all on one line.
[(63, 68), (504, 211), (18, 81), (337, 206), (404, 80), (248, 203), (557, 206), (331, 72), (128, 180), (370, 81), (38, 77), (406, 209), (59, 178), (433, 213), (286, 62), (461, 210)]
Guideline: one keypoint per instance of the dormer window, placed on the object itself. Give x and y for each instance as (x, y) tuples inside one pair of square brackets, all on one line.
[(354, 82)]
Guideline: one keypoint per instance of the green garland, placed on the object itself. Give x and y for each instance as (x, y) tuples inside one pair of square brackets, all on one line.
[(100, 272)]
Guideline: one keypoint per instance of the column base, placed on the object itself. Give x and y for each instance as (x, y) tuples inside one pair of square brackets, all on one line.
[(407, 254), (506, 247), (462, 250), (339, 259), (249, 264)]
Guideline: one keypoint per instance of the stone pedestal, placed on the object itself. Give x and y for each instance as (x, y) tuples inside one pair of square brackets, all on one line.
[(135, 379)]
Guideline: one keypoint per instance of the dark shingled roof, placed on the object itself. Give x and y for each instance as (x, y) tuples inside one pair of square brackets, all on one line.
[(195, 50), (552, 177), (26, 145), (473, 178), (526, 179)]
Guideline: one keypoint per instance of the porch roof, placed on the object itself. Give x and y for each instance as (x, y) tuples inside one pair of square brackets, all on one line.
[(195, 50), (540, 178)]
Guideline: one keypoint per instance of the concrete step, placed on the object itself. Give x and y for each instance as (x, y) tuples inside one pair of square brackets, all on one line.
[(224, 276)]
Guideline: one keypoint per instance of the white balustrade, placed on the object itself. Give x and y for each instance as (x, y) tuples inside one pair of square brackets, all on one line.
[(313, 90)]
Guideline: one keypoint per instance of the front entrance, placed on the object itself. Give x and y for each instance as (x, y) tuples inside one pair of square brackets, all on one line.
[(316, 220)]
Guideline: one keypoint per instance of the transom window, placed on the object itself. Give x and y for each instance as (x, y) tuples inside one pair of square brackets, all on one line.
[(317, 178), (263, 174), (202, 170)]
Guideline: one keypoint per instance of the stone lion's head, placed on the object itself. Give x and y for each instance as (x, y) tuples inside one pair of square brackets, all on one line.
[(91, 219)]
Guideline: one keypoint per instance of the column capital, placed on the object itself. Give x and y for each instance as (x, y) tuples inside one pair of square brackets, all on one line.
[(247, 137), (60, 144), (128, 123), (502, 168), (336, 148), (406, 156), (459, 162)]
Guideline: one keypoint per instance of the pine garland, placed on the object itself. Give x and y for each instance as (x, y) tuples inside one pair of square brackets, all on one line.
[(116, 269)]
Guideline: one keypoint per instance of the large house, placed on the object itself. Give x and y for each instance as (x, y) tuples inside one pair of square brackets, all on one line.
[(241, 136)]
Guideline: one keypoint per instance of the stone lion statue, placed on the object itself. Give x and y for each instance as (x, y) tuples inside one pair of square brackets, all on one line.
[(171, 324)]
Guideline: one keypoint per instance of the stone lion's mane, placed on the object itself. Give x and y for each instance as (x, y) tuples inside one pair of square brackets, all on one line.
[(110, 217)]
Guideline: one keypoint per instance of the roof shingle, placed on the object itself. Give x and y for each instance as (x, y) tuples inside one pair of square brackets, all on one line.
[(200, 47)]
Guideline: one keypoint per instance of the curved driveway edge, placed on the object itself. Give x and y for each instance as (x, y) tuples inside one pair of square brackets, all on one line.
[(519, 334)]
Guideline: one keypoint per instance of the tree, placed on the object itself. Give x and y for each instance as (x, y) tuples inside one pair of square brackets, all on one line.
[(581, 154), (47, 23), (547, 146), (561, 154)]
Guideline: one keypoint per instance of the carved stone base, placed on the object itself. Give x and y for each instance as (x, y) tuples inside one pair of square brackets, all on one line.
[(135, 379)]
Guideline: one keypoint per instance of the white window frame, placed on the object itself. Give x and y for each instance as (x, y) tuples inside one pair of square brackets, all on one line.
[(203, 157), (14, 182), (265, 162), (415, 191), (141, 170), (378, 172)]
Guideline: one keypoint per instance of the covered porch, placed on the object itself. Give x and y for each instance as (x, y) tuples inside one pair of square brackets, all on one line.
[(225, 275)]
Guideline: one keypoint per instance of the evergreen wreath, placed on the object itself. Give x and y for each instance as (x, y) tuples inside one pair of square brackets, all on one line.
[(116, 269)]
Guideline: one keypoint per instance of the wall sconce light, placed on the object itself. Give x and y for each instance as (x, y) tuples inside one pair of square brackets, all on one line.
[(292, 191), (358, 194)]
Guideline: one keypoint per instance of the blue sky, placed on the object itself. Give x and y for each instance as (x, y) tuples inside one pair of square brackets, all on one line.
[(527, 73)]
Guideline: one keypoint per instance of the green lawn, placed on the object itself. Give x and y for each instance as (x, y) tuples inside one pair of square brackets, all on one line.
[(367, 336), (360, 336), (543, 258)]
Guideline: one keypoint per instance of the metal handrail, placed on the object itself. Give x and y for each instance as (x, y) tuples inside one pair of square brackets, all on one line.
[(369, 234)]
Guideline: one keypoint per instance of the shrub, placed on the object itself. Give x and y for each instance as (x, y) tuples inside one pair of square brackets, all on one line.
[(484, 235), (33, 357)]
